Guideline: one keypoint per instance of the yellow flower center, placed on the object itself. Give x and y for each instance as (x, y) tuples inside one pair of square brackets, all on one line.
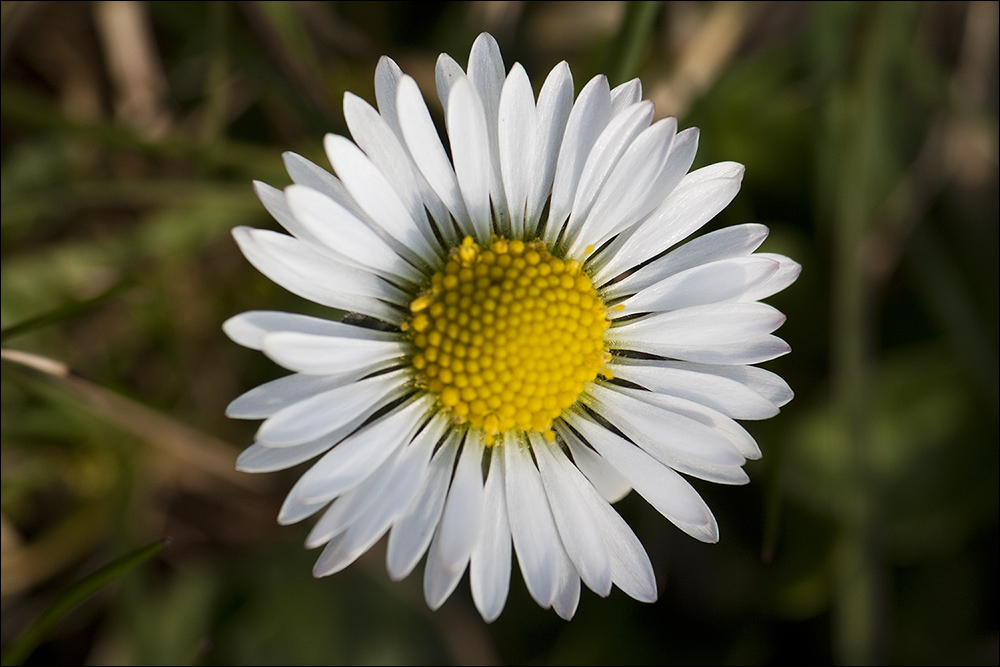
[(507, 336)]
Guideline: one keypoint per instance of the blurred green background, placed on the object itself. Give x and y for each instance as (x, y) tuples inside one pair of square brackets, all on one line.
[(131, 132)]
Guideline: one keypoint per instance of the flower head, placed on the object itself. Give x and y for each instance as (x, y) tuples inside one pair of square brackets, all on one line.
[(526, 340)]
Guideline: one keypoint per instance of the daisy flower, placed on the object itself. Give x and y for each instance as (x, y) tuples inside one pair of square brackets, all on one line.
[(527, 340)]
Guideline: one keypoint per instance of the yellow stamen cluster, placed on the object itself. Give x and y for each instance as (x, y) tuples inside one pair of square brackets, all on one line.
[(507, 336)]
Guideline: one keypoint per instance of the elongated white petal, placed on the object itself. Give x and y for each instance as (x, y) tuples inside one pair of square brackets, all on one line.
[(322, 413), (612, 143), (249, 328), (375, 137), (682, 443), (412, 533), (712, 324), (446, 73), (517, 142), (722, 393), (587, 119), (567, 596), (439, 581), (486, 72), (536, 541), (629, 192), (715, 282), (314, 177), (387, 76), (261, 458), (305, 272), (625, 95), (661, 486), (346, 509), (324, 355), (753, 351), (377, 198), (579, 532), (787, 273), (425, 148), (274, 202), (555, 100), (489, 566), (695, 201), (409, 470), (726, 243), (470, 150), (343, 233), (606, 480), (631, 570), (723, 425), (358, 456), (462, 519)]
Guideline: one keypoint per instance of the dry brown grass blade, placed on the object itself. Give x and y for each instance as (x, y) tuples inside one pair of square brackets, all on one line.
[(200, 457)]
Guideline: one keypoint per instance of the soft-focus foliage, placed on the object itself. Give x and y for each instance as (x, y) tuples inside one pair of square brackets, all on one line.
[(131, 132)]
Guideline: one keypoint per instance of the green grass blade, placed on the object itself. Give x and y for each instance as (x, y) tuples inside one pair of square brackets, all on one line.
[(22, 647)]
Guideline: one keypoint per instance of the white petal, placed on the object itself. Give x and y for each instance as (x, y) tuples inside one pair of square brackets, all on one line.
[(359, 455), (311, 275), (614, 140), (695, 201), (314, 177), (412, 533), (322, 413), (274, 202), (517, 143), (788, 271), (629, 193), (716, 420), (462, 519), (625, 95), (374, 136), (326, 355), (486, 72), (379, 200), (339, 230), (536, 541), (489, 567), (470, 151), (261, 458), (425, 148), (587, 119), (712, 324), (661, 486), (555, 100), (249, 328), (726, 243), (753, 351), (684, 380), (631, 570), (606, 480), (439, 581), (764, 382), (709, 283), (409, 471), (567, 595), (345, 510), (294, 509), (676, 440), (387, 76), (446, 73), (580, 534)]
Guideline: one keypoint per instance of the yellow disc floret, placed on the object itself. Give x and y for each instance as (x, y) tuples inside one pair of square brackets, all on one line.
[(507, 336)]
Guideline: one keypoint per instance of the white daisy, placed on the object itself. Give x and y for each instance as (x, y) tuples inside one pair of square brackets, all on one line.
[(527, 340)]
